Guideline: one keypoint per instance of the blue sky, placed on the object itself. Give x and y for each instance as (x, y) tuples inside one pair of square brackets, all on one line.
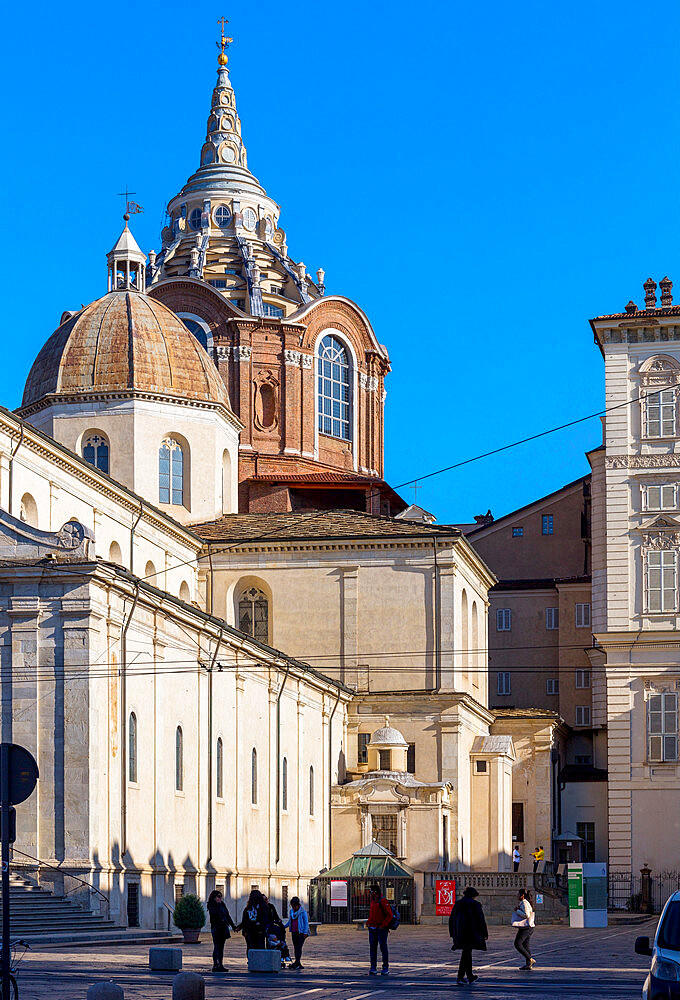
[(481, 179)]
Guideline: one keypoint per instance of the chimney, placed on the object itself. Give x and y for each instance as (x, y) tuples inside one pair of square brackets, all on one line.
[(484, 519), (650, 293), (666, 286), (631, 307)]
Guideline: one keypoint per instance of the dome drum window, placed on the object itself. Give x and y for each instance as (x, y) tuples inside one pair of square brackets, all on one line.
[(171, 472), (334, 394), (222, 216), (195, 218), (249, 219)]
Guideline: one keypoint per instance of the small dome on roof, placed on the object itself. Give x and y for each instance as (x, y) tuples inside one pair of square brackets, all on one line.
[(387, 737), (124, 343)]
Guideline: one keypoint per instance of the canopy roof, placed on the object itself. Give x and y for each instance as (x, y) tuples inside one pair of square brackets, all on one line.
[(372, 861)]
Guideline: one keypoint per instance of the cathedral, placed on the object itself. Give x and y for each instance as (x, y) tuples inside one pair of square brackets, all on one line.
[(236, 654)]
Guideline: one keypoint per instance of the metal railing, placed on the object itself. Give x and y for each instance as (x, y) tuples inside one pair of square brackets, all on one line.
[(45, 864)]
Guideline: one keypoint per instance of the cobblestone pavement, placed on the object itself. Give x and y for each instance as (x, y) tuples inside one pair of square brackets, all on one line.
[(571, 963)]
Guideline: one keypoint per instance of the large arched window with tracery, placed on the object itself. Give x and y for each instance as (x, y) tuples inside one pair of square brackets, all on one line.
[(96, 450), (253, 614), (171, 472), (333, 388)]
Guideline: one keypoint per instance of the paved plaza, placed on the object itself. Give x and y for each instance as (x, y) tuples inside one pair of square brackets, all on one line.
[(571, 963)]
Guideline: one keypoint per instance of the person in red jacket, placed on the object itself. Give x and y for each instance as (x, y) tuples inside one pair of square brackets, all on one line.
[(378, 923)]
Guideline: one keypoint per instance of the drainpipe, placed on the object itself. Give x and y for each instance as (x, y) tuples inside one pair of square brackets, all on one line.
[(330, 780), (11, 466), (211, 586), (123, 724), (210, 748), (132, 537), (278, 765)]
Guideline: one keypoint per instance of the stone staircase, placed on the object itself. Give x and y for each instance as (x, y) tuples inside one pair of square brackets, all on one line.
[(43, 919)]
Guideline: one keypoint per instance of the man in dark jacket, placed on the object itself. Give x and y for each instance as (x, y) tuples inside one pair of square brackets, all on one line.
[(467, 928)]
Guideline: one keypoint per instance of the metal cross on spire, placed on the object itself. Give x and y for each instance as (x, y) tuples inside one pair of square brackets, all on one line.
[(415, 489), (131, 207), (224, 41)]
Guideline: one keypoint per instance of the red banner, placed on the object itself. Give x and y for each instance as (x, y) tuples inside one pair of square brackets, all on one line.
[(445, 897)]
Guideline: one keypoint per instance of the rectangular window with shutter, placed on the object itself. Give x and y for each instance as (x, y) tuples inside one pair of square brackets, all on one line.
[(363, 739), (503, 620), (552, 686), (552, 618), (582, 615), (583, 678), (411, 758), (662, 727), (660, 409), (582, 715), (662, 497), (503, 682), (662, 580)]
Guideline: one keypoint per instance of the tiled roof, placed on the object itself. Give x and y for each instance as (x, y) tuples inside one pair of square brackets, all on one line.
[(124, 342), (316, 526), (316, 477), (640, 314)]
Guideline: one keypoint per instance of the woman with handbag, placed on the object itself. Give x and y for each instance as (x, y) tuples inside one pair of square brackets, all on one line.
[(524, 919)]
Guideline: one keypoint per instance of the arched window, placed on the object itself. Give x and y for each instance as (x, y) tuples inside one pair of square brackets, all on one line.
[(115, 555), (334, 394), (253, 777), (96, 450), (253, 614), (195, 218), (29, 510), (171, 472), (150, 574), (179, 759), (132, 747), (197, 330), (284, 784), (311, 791), (184, 592), (219, 767)]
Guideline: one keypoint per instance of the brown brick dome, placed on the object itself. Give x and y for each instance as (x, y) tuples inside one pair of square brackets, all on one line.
[(124, 343)]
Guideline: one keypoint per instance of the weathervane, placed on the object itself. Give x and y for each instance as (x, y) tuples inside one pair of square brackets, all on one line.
[(224, 42), (131, 207)]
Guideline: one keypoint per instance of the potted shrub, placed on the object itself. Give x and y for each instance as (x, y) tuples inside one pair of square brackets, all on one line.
[(189, 916)]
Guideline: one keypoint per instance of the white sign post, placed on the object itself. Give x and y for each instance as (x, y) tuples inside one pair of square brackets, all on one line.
[(338, 892)]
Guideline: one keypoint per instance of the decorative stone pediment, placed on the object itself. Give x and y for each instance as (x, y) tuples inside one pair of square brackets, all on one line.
[(661, 532), (23, 543), (659, 371)]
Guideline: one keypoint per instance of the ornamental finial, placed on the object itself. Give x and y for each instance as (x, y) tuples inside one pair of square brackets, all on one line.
[(387, 722), (225, 42)]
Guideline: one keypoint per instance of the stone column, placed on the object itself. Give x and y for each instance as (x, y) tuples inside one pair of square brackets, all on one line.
[(349, 613), (307, 405), (291, 402), (21, 704)]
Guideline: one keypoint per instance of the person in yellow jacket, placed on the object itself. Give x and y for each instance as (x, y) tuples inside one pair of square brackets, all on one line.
[(538, 855)]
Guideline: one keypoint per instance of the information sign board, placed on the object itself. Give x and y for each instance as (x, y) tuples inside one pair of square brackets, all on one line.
[(445, 896), (338, 892)]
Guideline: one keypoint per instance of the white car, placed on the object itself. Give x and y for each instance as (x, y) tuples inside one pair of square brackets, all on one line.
[(663, 981)]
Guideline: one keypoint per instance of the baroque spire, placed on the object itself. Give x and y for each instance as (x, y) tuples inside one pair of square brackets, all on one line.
[(223, 142)]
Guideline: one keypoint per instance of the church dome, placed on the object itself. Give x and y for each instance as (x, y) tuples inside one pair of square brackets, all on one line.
[(125, 344)]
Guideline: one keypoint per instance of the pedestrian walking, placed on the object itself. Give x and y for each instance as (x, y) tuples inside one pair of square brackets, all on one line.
[(254, 921), (378, 923), (468, 931), (524, 919), (538, 855), (298, 924), (220, 922), (516, 858)]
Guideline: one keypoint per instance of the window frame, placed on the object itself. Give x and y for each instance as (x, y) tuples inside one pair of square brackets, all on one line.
[(98, 461), (650, 557), (583, 614), (219, 768), (586, 831), (582, 679), (179, 759), (661, 487), (256, 597), (504, 615), (330, 340), (586, 718), (133, 749), (552, 686), (284, 785), (253, 777), (504, 682), (172, 445), (518, 532), (552, 619), (192, 216), (311, 791), (363, 739), (667, 425), (547, 524), (664, 733)]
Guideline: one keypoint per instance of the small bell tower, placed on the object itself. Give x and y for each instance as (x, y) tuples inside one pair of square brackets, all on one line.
[(127, 263)]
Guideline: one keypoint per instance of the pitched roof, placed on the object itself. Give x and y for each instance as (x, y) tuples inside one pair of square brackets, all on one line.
[(316, 526)]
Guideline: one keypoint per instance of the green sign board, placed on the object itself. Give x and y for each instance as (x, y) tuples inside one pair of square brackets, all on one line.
[(575, 885)]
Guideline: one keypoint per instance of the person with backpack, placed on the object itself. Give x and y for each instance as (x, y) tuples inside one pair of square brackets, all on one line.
[(298, 922), (380, 917), (467, 928), (255, 920), (524, 919)]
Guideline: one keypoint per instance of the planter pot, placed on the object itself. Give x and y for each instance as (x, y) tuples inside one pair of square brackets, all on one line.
[(191, 935)]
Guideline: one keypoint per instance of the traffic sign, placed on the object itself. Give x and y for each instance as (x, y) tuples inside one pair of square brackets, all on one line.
[(23, 773)]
